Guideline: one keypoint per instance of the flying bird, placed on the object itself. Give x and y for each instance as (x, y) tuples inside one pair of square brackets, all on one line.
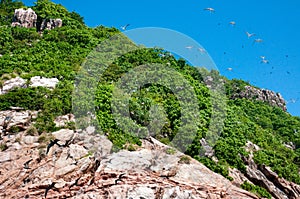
[(257, 41), (209, 9), (189, 47), (202, 50), (250, 34), (232, 23), (51, 144), (263, 60), (229, 69), (125, 27)]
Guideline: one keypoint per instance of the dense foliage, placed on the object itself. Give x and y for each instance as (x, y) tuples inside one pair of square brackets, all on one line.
[(60, 52)]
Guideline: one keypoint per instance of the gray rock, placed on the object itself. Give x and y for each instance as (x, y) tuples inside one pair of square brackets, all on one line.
[(12, 118), (272, 98), (65, 170), (49, 24), (77, 151), (63, 135), (30, 139), (8, 85), (43, 82), (5, 156), (125, 160), (141, 192), (24, 18)]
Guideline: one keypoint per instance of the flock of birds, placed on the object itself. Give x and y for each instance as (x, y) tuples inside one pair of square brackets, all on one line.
[(250, 35), (263, 59)]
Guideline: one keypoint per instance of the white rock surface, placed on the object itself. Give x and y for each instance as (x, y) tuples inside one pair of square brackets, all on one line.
[(8, 85), (44, 82), (24, 18)]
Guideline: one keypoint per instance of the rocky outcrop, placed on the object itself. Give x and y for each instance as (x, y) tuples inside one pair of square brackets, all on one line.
[(28, 19), (263, 176), (13, 83), (15, 118), (24, 18), (272, 98), (49, 24), (36, 81), (81, 165)]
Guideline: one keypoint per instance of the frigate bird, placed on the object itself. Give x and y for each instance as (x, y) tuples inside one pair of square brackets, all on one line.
[(250, 34), (68, 142), (125, 27), (26, 164), (51, 186), (209, 9), (51, 144)]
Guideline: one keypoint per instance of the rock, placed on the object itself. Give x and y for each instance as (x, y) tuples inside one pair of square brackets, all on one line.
[(141, 192), (12, 118), (77, 151), (64, 135), (272, 98), (238, 177), (43, 82), (146, 173), (100, 144), (49, 24), (290, 145), (124, 160), (5, 156), (209, 151), (90, 130), (15, 146), (264, 177), (24, 18), (65, 170), (251, 147), (63, 120), (30, 139), (8, 85), (291, 189)]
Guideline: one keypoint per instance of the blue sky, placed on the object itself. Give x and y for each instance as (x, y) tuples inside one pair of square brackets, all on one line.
[(275, 21)]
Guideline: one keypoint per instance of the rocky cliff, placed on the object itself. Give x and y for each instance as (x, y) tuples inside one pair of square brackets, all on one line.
[(79, 164), (272, 98)]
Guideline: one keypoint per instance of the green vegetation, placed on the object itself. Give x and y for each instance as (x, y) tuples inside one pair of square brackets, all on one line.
[(259, 191), (60, 52)]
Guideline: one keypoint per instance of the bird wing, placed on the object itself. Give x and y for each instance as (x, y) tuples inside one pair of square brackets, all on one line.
[(49, 146)]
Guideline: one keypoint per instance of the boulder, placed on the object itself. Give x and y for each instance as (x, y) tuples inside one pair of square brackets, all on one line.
[(49, 24), (26, 18)]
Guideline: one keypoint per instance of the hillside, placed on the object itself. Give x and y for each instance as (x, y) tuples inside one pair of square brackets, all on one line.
[(43, 64)]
